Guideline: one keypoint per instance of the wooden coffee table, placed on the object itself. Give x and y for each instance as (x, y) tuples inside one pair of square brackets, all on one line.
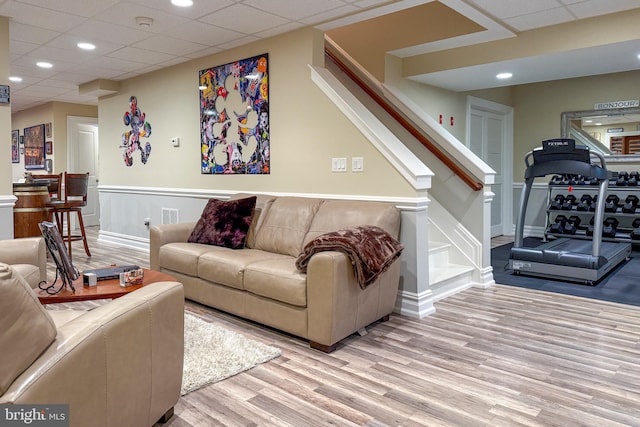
[(105, 289)]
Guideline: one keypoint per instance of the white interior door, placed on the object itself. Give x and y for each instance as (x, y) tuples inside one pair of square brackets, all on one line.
[(83, 157), (489, 136)]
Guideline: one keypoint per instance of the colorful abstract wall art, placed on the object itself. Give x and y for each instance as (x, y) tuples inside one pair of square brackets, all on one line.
[(234, 117), (140, 128)]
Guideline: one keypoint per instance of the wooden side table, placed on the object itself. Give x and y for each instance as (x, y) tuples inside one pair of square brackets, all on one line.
[(105, 289)]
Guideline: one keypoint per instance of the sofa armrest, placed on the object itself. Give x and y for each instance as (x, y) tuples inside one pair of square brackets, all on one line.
[(118, 364), (166, 233), (25, 250), (337, 306)]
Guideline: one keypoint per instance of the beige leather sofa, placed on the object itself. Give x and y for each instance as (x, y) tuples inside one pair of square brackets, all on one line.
[(261, 282), (28, 256), (117, 365)]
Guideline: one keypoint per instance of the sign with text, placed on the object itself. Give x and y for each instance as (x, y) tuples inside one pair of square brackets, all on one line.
[(616, 104), (34, 415)]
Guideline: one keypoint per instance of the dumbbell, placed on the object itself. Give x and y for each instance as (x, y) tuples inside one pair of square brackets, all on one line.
[(630, 204), (558, 226), (611, 204), (556, 180), (585, 202), (589, 231), (635, 233), (572, 224), (568, 203), (610, 227), (557, 202), (622, 178), (634, 177), (594, 203)]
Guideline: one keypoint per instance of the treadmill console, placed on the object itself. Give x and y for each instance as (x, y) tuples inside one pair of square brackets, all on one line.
[(561, 149)]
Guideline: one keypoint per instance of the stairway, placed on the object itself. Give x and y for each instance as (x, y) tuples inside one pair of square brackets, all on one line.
[(446, 277)]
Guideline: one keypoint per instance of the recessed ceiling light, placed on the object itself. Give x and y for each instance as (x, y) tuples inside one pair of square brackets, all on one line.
[(44, 64), (182, 3), (86, 46), (15, 79), (504, 76)]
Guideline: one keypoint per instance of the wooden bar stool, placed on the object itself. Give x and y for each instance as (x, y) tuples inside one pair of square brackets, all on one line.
[(76, 186)]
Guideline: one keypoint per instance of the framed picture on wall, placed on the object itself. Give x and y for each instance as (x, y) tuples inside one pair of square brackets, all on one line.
[(234, 117), (47, 130), (15, 144), (49, 145), (34, 147)]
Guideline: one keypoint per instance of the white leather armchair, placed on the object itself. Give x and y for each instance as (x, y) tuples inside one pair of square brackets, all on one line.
[(28, 256), (117, 365)]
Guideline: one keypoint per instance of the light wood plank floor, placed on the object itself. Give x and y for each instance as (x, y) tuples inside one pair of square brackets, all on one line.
[(502, 356)]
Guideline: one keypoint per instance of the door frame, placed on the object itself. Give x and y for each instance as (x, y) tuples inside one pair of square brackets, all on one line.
[(506, 163)]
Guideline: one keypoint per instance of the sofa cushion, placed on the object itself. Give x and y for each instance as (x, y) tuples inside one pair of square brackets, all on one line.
[(263, 202), (226, 266), (224, 223), (334, 215), (285, 225), (182, 257), (27, 327), (277, 279)]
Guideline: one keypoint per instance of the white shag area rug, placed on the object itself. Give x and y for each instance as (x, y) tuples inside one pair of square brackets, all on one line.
[(213, 353)]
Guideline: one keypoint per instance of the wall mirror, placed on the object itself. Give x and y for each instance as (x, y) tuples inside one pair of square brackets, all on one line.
[(613, 132)]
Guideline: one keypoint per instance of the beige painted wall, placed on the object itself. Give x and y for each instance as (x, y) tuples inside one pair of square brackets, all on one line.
[(55, 113), (5, 112), (538, 108), (307, 130)]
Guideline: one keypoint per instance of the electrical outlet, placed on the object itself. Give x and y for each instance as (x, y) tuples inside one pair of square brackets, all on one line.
[(175, 141)]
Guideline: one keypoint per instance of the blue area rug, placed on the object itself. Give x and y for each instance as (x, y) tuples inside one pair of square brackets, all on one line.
[(621, 285)]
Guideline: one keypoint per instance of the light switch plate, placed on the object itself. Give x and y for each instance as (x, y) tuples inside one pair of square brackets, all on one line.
[(357, 164)]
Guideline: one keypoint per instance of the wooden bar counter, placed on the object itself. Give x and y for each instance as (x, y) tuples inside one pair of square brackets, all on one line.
[(30, 209)]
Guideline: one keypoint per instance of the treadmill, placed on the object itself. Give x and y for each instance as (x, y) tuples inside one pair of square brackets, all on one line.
[(567, 259)]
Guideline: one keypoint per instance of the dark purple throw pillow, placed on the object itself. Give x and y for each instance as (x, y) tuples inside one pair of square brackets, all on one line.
[(224, 223)]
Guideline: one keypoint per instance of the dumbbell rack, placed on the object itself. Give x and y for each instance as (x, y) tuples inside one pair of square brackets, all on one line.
[(578, 186)]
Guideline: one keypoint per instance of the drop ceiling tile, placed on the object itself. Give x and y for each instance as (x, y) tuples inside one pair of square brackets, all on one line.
[(590, 8), (329, 15), (124, 13), (290, 26), (199, 8), (244, 19), (30, 34), (204, 52), (40, 17), (98, 30), (202, 33), (19, 48), (295, 10), (76, 7), (169, 45), (68, 41), (143, 56), (510, 8), (59, 56), (539, 19)]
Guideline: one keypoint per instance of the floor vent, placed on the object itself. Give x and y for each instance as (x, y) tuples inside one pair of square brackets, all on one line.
[(169, 216)]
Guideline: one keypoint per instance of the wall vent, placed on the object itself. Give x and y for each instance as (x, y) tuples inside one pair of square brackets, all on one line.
[(169, 216)]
